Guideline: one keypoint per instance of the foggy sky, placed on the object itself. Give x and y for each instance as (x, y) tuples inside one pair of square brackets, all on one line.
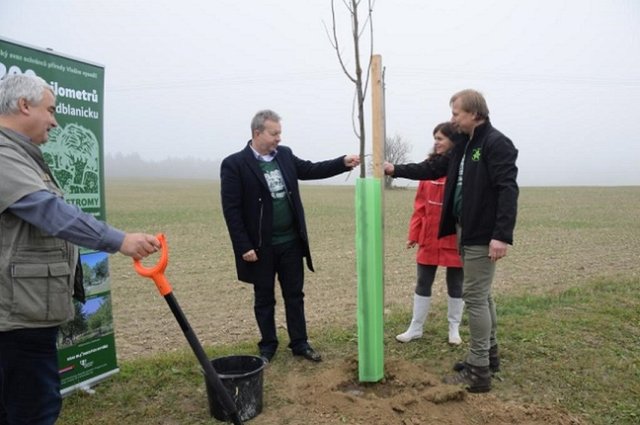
[(183, 79)]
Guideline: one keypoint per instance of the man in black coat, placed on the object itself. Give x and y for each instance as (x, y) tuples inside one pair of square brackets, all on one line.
[(480, 205), (265, 218)]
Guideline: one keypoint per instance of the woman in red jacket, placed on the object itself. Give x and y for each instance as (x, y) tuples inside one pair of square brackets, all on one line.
[(434, 252)]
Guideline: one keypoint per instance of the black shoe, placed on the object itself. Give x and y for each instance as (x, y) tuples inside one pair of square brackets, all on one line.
[(494, 361), (475, 379), (309, 354), (267, 356)]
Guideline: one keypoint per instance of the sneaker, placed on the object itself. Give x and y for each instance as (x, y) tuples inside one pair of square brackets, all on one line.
[(476, 379)]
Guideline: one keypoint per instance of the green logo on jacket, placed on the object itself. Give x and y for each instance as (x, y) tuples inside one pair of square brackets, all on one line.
[(475, 154)]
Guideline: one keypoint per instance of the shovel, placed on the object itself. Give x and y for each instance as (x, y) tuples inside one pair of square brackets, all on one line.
[(157, 274)]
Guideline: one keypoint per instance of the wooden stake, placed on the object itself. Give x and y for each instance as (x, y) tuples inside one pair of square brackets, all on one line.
[(377, 116)]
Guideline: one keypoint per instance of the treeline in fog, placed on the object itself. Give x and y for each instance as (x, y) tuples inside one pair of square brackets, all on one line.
[(133, 165)]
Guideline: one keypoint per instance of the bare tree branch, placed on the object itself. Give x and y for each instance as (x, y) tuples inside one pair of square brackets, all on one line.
[(353, 113), (336, 46), (369, 18), (326, 30), (370, 21), (360, 91)]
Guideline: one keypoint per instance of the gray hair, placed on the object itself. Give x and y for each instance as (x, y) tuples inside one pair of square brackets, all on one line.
[(16, 87), (257, 123)]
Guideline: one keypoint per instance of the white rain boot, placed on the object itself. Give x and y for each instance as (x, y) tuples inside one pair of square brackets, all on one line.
[(454, 316), (420, 311)]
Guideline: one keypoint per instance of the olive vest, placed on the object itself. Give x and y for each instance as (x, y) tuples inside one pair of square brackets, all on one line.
[(36, 269)]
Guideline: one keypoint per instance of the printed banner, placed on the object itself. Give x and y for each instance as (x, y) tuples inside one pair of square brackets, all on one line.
[(74, 152)]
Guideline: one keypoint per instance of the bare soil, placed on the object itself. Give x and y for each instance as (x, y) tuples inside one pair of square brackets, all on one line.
[(409, 395)]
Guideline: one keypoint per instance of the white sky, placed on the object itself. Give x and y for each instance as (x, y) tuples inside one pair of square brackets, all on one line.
[(184, 78)]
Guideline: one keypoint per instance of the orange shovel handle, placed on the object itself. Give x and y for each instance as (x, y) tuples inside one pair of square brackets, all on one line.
[(157, 272)]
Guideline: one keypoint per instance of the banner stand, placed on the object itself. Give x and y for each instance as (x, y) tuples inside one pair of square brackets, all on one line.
[(74, 152)]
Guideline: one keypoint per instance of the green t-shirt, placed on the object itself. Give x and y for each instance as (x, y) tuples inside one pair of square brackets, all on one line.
[(283, 221)]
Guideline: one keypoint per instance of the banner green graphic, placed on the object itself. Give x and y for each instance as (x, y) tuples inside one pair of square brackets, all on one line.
[(74, 152)]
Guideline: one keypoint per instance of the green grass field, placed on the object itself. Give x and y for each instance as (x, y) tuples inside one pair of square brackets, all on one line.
[(567, 293)]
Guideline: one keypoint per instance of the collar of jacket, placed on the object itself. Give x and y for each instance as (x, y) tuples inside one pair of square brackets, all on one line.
[(265, 158), (252, 162), (31, 149), (482, 129)]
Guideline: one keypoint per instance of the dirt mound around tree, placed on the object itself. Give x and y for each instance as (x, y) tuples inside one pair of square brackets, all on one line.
[(408, 395)]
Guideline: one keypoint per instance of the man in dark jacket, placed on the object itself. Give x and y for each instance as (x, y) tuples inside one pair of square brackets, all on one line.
[(480, 205), (265, 218)]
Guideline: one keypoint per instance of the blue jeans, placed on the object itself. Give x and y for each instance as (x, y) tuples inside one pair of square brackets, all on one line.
[(29, 377)]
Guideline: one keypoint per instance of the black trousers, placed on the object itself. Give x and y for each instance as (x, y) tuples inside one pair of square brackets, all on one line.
[(286, 262)]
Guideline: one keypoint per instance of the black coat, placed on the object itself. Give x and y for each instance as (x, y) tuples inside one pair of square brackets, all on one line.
[(490, 190), (247, 206)]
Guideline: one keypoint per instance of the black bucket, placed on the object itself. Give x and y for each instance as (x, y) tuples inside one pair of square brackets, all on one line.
[(242, 377)]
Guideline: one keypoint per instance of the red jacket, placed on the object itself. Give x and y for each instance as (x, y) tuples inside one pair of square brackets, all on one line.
[(424, 225)]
